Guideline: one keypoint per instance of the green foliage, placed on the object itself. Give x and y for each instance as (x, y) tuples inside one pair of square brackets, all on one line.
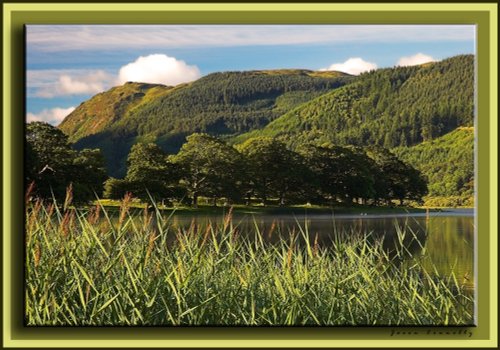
[(210, 168), (150, 174), (265, 168), (447, 162), (148, 164), (338, 173), (273, 170), (450, 201), (116, 188), (400, 180), (89, 174), (48, 146), (115, 148), (53, 165), (226, 103), (394, 107)]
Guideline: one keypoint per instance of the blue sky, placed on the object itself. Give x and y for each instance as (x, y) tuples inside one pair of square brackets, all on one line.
[(67, 64)]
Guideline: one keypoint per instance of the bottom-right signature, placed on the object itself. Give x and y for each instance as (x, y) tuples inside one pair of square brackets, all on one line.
[(461, 332)]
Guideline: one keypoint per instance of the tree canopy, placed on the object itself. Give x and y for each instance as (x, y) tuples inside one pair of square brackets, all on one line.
[(401, 181), (53, 165), (264, 168), (273, 170), (210, 168), (150, 174)]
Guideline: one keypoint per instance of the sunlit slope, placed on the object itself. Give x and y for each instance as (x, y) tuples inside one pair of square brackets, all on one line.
[(107, 108), (400, 106)]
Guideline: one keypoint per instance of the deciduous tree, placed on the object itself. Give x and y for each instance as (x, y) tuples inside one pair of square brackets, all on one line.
[(210, 168)]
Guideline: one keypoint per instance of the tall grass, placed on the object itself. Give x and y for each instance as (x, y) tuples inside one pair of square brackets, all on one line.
[(85, 268)]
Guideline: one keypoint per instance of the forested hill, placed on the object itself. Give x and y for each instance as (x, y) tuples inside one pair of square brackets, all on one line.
[(423, 113), (393, 107), (106, 108), (221, 104), (448, 164)]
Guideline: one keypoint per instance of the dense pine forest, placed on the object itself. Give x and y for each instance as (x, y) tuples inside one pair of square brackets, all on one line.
[(393, 107), (280, 136)]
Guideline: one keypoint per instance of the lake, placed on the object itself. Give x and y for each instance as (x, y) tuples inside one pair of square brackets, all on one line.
[(442, 239)]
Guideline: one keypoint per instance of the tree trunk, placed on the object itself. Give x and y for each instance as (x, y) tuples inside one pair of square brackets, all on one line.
[(214, 201), (195, 199), (282, 200)]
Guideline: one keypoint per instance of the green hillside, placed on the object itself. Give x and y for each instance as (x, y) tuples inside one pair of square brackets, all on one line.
[(221, 104), (424, 113), (448, 163), (393, 107), (106, 108)]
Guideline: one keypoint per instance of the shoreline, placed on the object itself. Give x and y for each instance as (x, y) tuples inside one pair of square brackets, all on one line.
[(287, 210)]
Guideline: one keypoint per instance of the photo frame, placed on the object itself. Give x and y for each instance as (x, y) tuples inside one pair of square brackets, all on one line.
[(483, 15)]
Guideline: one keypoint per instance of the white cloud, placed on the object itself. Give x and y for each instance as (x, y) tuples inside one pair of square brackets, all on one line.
[(414, 60), (64, 82), (354, 65), (52, 38), (52, 116), (91, 84), (159, 69)]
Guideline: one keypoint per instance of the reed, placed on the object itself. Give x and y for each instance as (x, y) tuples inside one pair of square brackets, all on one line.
[(85, 268)]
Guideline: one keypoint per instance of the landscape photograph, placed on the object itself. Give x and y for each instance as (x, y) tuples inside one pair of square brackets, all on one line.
[(250, 175)]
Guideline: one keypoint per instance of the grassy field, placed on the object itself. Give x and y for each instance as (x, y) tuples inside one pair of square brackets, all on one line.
[(82, 268)]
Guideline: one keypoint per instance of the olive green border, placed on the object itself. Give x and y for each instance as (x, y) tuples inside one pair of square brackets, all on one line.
[(16, 15)]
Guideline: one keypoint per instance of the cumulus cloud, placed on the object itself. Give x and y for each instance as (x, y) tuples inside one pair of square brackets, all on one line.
[(91, 84), (158, 69), (354, 65), (414, 60), (52, 116), (64, 82)]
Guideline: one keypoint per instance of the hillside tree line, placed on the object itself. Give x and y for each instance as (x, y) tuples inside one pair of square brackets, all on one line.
[(265, 169), (261, 168)]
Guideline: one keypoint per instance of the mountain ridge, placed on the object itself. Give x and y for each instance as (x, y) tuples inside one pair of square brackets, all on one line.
[(388, 107), (116, 101)]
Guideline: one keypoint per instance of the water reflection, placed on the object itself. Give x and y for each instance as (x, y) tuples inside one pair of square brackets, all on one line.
[(444, 241)]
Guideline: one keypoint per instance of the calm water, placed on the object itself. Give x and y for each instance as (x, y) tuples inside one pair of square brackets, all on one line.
[(444, 239)]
